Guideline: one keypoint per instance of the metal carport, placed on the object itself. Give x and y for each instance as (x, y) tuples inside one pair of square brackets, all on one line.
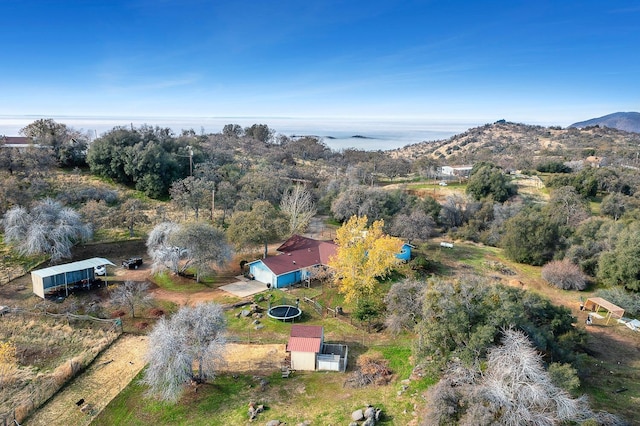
[(58, 277)]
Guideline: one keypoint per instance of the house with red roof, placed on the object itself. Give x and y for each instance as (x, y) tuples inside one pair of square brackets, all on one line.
[(309, 351), (291, 265), (295, 258)]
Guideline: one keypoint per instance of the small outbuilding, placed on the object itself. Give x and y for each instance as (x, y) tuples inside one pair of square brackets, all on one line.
[(309, 351), (595, 304), (65, 278)]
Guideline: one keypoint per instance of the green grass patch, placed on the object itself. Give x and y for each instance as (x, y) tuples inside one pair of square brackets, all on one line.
[(170, 282), (317, 396), (103, 235), (399, 359), (209, 406), (594, 205)]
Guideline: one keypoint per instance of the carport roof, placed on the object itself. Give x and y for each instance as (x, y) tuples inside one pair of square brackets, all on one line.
[(71, 267)]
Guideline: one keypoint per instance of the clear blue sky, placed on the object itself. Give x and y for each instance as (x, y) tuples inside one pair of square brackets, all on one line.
[(534, 61)]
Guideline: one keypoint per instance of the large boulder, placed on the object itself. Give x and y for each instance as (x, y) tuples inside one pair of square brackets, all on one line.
[(369, 412), (357, 416)]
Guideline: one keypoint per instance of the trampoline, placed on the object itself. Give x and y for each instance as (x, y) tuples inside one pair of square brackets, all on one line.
[(284, 312)]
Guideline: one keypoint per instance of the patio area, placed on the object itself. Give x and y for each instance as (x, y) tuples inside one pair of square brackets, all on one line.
[(244, 287)]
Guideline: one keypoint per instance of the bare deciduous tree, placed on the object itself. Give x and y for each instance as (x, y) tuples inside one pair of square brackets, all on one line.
[(202, 246), (193, 337), (49, 228), (132, 294), (162, 253), (404, 305), (513, 389), (298, 205), (454, 211), (131, 213), (568, 206), (192, 193), (194, 245), (415, 226)]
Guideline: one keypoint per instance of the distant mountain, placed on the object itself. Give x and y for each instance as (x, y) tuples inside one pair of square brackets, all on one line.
[(627, 121)]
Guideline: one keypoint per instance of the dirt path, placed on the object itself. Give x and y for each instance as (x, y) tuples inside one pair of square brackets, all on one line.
[(114, 369), (109, 374)]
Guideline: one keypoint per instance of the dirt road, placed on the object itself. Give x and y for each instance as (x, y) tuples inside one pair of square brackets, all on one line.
[(97, 386)]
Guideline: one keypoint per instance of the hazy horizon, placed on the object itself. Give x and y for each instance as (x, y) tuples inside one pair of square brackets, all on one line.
[(336, 132)]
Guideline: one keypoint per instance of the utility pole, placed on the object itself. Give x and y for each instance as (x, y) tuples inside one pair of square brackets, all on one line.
[(213, 202), (190, 160)]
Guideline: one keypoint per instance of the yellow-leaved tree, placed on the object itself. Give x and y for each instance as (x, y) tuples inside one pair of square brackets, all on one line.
[(363, 254)]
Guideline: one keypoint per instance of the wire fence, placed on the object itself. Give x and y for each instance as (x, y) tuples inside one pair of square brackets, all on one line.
[(39, 391)]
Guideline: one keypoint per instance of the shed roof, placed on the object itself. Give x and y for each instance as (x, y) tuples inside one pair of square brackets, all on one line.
[(304, 344), (71, 267), (614, 310), (316, 331)]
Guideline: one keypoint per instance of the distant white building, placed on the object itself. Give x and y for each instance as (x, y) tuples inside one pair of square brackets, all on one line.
[(458, 171), (19, 142)]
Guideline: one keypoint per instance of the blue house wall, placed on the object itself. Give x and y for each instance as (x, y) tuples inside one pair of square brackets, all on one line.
[(287, 279), (405, 253)]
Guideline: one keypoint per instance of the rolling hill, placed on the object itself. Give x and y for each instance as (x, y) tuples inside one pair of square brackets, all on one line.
[(520, 146)]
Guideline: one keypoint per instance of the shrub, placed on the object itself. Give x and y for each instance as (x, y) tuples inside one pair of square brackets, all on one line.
[(372, 369), (564, 274)]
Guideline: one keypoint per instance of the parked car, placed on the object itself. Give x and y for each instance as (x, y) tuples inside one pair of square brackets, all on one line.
[(100, 270), (442, 183), (132, 263)]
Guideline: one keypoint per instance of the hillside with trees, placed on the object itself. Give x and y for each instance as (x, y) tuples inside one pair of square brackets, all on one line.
[(517, 146), (547, 209)]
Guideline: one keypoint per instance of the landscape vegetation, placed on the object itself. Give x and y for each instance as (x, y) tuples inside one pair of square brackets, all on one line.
[(486, 329)]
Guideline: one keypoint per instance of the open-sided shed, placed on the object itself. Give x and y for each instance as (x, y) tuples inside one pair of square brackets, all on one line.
[(66, 276), (596, 303)]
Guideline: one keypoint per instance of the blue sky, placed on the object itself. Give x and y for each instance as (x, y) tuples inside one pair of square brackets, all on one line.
[(539, 62)]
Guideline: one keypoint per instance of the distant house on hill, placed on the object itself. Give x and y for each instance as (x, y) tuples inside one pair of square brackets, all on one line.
[(16, 142), (457, 171), (294, 259), (596, 162)]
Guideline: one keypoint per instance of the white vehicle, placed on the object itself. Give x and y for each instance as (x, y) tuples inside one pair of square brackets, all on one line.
[(100, 270), (442, 183)]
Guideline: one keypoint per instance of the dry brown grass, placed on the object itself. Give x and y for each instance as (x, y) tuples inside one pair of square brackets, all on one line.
[(49, 352)]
